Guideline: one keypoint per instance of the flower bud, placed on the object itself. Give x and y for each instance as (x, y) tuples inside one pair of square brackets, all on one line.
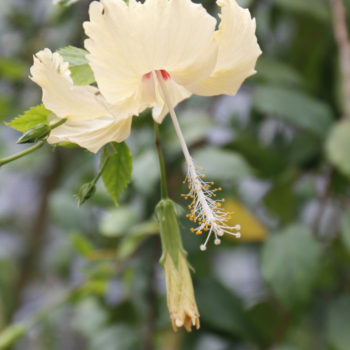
[(85, 192), (35, 134), (180, 295)]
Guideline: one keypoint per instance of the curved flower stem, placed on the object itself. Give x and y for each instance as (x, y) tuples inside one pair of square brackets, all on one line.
[(99, 174), (163, 182), (30, 149), (21, 154)]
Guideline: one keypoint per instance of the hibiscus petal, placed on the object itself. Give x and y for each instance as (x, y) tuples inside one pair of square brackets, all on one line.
[(238, 52), (127, 42), (92, 134), (60, 96), (112, 54)]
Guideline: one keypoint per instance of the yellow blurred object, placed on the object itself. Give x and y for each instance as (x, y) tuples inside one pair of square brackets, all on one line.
[(252, 230)]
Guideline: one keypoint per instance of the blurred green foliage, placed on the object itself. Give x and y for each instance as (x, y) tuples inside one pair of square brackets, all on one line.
[(279, 148)]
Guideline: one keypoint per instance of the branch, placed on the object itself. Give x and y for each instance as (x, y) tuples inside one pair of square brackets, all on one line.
[(342, 38), (21, 154)]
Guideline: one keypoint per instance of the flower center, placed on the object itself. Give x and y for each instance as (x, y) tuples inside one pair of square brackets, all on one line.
[(165, 75)]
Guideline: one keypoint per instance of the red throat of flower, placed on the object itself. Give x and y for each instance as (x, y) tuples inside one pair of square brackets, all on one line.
[(163, 72)]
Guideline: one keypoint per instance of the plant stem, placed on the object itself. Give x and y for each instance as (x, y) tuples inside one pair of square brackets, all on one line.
[(59, 123), (98, 175), (163, 182), (21, 154), (30, 149)]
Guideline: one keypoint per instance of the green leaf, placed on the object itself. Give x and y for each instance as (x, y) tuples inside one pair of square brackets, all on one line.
[(294, 107), (117, 222), (133, 240), (303, 149), (34, 116), (266, 318), (266, 160), (82, 245), (117, 172), (11, 69), (277, 72), (290, 263), (221, 164), (81, 72), (5, 107), (89, 317), (338, 147), (338, 324), (318, 9), (121, 337), (145, 177), (281, 200), (82, 75), (223, 311), (10, 334), (244, 3), (73, 55), (65, 2)]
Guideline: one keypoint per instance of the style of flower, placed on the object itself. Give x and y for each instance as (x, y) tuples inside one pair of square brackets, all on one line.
[(91, 121)]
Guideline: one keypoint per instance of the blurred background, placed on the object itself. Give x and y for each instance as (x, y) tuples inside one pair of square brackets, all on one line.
[(88, 278)]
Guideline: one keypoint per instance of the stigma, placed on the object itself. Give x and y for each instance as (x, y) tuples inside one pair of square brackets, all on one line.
[(165, 75)]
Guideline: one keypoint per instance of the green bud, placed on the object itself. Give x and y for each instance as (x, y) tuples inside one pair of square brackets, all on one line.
[(169, 229), (180, 294), (85, 192), (35, 134)]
